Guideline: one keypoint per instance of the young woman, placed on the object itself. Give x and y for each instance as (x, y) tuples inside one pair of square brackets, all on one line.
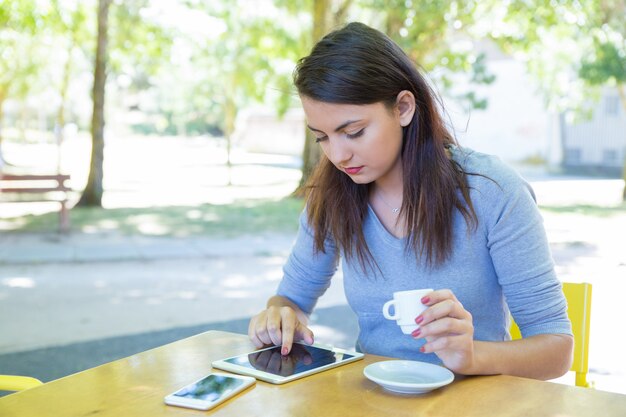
[(404, 207)]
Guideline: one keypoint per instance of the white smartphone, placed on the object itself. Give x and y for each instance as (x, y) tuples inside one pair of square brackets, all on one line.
[(209, 391), (303, 360)]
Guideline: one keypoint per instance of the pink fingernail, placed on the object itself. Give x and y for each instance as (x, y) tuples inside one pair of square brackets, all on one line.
[(284, 351), (425, 300), (419, 319), (416, 332), (422, 349)]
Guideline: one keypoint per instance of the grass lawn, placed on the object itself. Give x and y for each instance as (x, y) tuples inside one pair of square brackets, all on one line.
[(228, 220), (241, 217), (587, 210)]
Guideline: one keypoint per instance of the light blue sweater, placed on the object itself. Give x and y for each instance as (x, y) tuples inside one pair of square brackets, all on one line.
[(503, 264)]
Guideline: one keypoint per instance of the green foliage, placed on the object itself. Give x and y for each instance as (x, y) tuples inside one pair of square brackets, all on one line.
[(247, 53), (249, 60), (21, 51), (606, 65), (437, 35), (139, 45)]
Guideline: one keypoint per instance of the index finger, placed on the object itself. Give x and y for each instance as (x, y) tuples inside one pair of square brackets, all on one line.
[(289, 328)]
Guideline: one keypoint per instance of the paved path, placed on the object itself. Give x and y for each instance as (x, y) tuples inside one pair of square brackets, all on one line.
[(105, 286)]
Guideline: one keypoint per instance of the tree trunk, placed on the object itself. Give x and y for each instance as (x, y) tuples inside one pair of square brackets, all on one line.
[(394, 22), (65, 84), (340, 15), (230, 114), (92, 195), (60, 122), (311, 152)]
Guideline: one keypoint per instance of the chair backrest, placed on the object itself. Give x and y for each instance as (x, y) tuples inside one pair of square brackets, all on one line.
[(579, 311), (17, 383)]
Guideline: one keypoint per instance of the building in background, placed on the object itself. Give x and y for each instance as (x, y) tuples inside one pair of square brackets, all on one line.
[(597, 145)]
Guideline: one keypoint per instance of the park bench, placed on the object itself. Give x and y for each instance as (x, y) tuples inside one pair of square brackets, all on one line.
[(38, 188)]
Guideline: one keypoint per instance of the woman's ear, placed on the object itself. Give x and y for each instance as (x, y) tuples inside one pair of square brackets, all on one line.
[(405, 103)]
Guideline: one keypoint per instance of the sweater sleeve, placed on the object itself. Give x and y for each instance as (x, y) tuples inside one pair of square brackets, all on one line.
[(520, 253), (307, 273)]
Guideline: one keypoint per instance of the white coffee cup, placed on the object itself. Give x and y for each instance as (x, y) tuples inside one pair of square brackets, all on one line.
[(407, 306)]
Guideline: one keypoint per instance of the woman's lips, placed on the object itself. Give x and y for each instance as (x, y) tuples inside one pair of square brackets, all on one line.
[(353, 170)]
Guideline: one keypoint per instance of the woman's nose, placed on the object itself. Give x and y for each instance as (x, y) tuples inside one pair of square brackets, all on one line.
[(339, 151)]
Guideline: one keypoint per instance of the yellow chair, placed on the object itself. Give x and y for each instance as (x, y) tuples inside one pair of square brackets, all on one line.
[(579, 311), (17, 383)]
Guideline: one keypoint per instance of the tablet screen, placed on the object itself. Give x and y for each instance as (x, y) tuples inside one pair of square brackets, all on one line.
[(302, 358)]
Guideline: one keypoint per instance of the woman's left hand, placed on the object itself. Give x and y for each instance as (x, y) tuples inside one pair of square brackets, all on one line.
[(449, 331)]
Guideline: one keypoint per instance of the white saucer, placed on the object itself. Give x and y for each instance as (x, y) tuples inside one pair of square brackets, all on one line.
[(408, 377)]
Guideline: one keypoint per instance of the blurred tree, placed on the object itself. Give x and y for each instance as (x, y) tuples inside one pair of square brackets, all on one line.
[(92, 194), (70, 21), (20, 51), (248, 60), (438, 36), (138, 47)]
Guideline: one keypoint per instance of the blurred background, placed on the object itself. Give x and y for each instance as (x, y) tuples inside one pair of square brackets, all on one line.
[(186, 149)]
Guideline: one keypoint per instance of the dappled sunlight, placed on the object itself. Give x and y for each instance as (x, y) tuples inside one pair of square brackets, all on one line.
[(235, 281), (250, 216), (275, 274), (153, 229), (149, 224), (108, 224), (12, 225), (187, 295), (19, 282), (211, 217), (273, 261), (194, 214), (239, 294), (134, 293), (100, 284), (12, 210)]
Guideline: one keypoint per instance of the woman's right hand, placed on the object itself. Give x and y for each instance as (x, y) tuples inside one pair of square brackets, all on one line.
[(280, 326)]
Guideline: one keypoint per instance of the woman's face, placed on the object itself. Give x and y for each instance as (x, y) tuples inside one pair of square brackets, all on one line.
[(363, 141)]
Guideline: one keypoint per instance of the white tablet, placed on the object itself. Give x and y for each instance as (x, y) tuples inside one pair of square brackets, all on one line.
[(270, 366)]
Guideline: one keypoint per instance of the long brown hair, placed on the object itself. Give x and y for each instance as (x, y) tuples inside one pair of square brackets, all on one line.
[(360, 65)]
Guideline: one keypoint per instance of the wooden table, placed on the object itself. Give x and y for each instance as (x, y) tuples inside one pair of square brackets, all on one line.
[(135, 387)]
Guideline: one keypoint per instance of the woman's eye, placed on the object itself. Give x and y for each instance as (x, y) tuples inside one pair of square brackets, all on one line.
[(356, 134), (318, 139)]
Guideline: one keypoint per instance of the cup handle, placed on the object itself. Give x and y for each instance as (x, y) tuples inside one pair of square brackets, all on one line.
[(386, 308)]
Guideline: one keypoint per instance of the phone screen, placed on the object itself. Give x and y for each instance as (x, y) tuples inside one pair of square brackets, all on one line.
[(301, 358), (211, 388)]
